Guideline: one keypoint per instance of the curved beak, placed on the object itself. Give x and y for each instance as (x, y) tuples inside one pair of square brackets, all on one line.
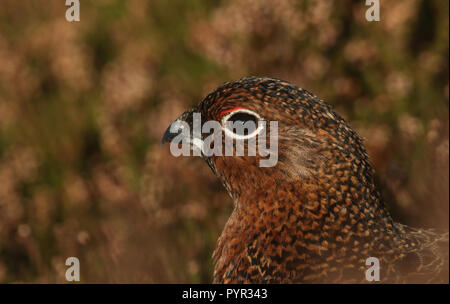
[(178, 126), (169, 134)]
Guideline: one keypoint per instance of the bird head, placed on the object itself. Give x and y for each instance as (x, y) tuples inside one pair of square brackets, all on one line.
[(293, 139)]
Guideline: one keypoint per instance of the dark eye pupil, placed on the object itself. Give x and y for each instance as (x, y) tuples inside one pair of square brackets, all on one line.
[(243, 123)]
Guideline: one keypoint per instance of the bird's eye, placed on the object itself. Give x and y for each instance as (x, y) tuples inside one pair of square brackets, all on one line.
[(242, 123)]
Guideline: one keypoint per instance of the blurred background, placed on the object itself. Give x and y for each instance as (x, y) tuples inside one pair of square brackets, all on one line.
[(83, 106)]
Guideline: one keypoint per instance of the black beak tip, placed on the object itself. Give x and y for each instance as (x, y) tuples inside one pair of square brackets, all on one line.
[(172, 131), (167, 136)]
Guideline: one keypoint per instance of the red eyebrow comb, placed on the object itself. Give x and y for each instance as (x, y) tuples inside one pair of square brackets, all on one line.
[(230, 110)]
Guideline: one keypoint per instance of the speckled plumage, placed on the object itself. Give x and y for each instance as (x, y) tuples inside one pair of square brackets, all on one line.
[(317, 215)]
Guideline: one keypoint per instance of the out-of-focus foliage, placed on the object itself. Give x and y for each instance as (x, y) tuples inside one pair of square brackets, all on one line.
[(83, 106)]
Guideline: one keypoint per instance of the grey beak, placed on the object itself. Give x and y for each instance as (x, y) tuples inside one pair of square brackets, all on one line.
[(177, 127), (172, 131)]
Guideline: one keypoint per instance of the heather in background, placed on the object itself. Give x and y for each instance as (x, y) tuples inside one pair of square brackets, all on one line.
[(83, 106)]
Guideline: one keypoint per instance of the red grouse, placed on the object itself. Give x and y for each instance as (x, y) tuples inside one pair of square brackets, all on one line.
[(316, 216)]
